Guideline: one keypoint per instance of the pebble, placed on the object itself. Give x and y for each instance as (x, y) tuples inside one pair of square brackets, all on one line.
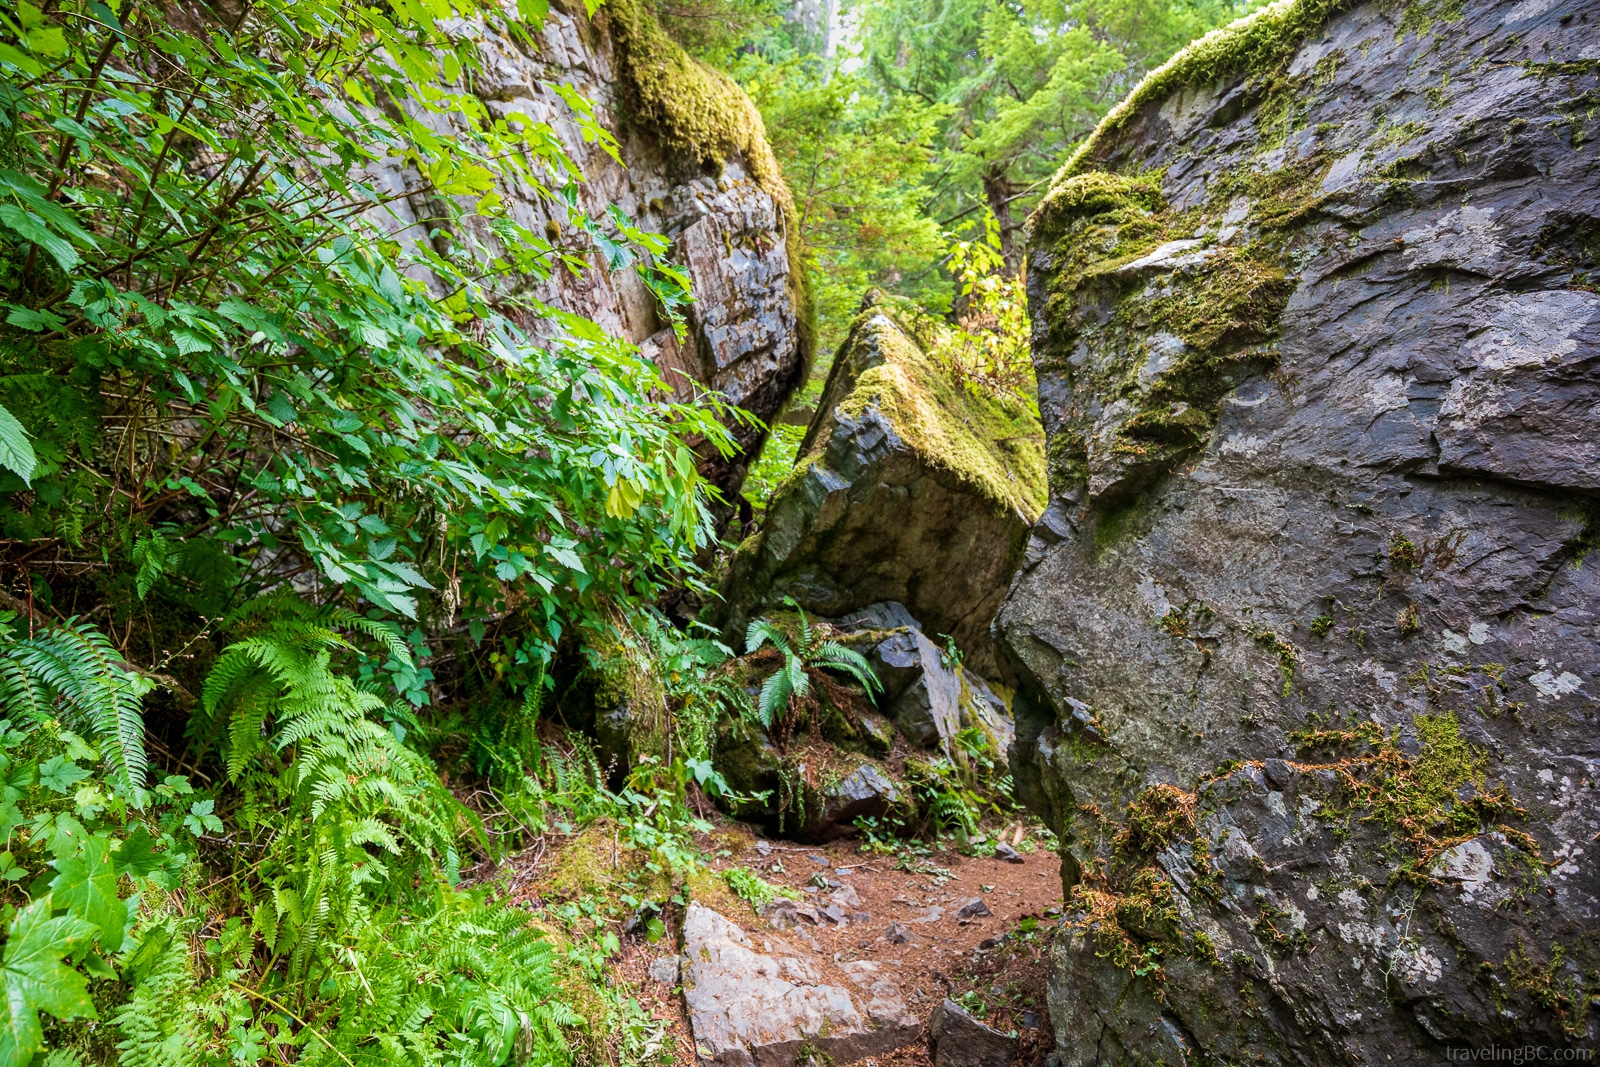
[(974, 909), (897, 934), (1003, 851)]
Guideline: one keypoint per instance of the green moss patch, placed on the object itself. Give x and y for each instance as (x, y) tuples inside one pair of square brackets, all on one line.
[(993, 445), (1255, 43), (702, 114)]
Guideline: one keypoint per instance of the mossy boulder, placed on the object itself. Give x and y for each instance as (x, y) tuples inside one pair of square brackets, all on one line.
[(909, 487), (1305, 643)]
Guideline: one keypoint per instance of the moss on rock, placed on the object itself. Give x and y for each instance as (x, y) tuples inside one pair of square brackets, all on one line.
[(702, 114), (1252, 44), (992, 444)]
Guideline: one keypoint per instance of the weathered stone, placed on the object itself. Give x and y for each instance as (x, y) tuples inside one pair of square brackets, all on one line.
[(907, 489), (976, 908), (928, 698), (665, 970), (928, 711), (725, 217), (897, 934), (865, 792), (824, 811), (956, 1039), (751, 1007), (1005, 852), (1340, 472)]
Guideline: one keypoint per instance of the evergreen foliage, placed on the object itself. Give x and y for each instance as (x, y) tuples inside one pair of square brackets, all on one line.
[(807, 651)]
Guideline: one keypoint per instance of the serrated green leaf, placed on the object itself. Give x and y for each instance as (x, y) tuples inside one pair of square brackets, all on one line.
[(61, 774), (32, 228), (16, 451), (35, 979), (86, 885), (137, 854)]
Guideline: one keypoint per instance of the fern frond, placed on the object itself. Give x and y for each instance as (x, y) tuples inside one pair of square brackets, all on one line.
[(775, 694), (759, 632), (95, 690), (838, 657)]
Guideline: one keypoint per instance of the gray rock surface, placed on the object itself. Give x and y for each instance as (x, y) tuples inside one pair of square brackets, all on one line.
[(757, 1001), (928, 698), (956, 1039), (1333, 465), (904, 491), (726, 229)]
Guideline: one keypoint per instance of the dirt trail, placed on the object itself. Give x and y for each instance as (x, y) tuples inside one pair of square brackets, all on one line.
[(993, 965)]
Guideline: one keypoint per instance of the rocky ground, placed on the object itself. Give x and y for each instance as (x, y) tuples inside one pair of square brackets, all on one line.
[(928, 924)]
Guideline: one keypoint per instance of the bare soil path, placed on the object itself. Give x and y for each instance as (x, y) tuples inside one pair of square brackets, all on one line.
[(993, 965)]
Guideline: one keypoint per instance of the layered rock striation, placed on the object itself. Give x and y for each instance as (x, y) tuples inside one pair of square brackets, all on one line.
[(682, 152), (1306, 647)]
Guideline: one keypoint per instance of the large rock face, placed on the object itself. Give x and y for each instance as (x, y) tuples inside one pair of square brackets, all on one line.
[(908, 488), (691, 162), (1307, 661)]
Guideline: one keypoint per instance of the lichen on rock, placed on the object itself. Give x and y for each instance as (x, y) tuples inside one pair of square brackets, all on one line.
[(1305, 663)]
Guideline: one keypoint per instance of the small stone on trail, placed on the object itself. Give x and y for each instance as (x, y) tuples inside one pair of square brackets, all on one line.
[(665, 970), (992, 942), (820, 861), (1003, 851), (860, 916), (956, 1039), (974, 909), (932, 915), (897, 934)]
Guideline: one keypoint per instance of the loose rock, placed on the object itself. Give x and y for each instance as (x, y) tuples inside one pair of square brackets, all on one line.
[(976, 908), (956, 1039), (1005, 852)]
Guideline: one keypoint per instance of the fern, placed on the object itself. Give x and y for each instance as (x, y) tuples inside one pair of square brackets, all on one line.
[(72, 672), (158, 1024), (792, 682)]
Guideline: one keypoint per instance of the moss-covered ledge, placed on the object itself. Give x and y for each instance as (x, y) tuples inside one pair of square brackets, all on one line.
[(701, 114), (909, 486)]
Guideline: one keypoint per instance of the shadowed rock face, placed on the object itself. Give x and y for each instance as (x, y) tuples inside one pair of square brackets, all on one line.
[(1308, 665), (746, 338)]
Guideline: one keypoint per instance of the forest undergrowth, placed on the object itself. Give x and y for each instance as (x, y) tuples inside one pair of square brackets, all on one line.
[(301, 523)]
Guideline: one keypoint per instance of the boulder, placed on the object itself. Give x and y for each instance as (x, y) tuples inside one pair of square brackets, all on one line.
[(908, 488), (693, 164), (956, 1039), (1306, 665), (929, 698), (761, 1006)]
